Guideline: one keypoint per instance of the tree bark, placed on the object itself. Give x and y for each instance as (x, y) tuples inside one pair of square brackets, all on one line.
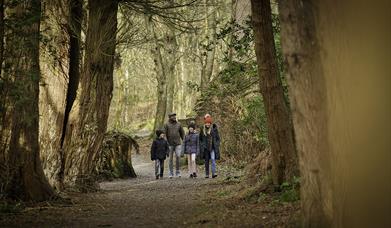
[(280, 129), (337, 61), (161, 77), (1, 35), (74, 32), (25, 177), (88, 121), (171, 49), (207, 68), (308, 98)]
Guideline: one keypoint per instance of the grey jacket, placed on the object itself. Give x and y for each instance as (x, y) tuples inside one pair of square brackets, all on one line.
[(191, 144), (174, 133)]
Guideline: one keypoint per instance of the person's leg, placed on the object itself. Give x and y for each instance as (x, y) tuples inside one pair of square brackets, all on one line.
[(193, 163), (157, 164), (207, 167), (161, 167), (189, 163), (171, 161), (213, 158), (178, 157)]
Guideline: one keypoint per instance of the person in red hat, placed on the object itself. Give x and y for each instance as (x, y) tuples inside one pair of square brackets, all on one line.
[(209, 144)]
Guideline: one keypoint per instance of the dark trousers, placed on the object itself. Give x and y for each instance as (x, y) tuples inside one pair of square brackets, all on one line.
[(159, 166)]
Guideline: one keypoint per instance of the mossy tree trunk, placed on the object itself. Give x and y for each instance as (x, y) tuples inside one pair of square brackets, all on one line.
[(210, 36), (88, 119), (302, 55), (19, 135), (161, 76), (1, 34), (280, 128), (338, 71), (171, 49), (60, 65)]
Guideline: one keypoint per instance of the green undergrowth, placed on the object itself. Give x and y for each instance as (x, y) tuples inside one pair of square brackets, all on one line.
[(11, 207)]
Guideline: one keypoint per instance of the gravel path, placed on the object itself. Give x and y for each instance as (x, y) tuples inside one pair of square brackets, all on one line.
[(138, 202), (147, 202)]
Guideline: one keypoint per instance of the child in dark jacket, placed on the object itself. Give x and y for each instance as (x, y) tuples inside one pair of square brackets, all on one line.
[(191, 147), (159, 152)]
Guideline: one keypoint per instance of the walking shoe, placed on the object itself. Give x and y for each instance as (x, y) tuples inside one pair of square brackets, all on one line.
[(191, 176), (194, 174), (170, 177), (206, 176), (214, 176), (157, 177)]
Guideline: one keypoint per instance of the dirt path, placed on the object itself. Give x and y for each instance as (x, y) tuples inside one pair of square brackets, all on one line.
[(139, 202), (146, 202)]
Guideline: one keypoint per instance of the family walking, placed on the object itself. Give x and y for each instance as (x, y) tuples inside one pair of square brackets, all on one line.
[(172, 142)]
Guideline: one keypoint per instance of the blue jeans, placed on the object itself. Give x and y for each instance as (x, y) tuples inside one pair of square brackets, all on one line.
[(175, 151), (213, 158)]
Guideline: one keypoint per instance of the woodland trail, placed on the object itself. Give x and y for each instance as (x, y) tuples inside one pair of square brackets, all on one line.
[(146, 202)]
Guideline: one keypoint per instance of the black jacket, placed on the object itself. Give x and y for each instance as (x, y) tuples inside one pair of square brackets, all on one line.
[(159, 149), (204, 151)]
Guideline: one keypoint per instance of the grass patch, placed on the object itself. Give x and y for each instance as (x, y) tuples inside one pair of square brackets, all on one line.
[(223, 193), (290, 191)]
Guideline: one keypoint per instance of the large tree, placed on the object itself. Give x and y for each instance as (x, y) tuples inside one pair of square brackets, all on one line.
[(60, 59), (24, 177), (280, 128), (208, 55), (337, 60), (88, 119)]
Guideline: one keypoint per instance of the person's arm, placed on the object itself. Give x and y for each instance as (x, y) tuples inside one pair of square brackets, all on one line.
[(198, 145), (167, 149), (153, 150), (217, 135), (201, 142), (184, 146), (181, 132), (165, 127)]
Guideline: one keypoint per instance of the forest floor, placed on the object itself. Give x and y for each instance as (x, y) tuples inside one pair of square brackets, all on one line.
[(146, 202)]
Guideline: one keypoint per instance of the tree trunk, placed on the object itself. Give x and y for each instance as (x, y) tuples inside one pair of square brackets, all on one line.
[(26, 179), (337, 61), (161, 78), (207, 68), (53, 85), (170, 62), (308, 98), (1, 35), (88, 120), (280, 129), (74, 32)]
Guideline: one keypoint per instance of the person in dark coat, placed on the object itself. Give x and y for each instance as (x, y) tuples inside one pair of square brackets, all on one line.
[(191, 147), (159, 152), (210, 145)]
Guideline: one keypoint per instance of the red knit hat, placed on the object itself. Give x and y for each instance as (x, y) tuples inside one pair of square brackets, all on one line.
[(208, 118)]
